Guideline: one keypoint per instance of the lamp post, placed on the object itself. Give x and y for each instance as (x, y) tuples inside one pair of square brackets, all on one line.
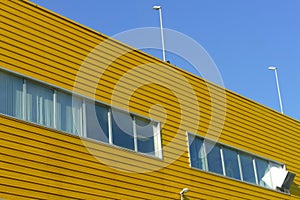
[(161, 31), (278, 89), (182, 192)]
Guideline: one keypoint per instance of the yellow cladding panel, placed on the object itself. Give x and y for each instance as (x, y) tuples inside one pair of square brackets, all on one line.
[(42, 163)]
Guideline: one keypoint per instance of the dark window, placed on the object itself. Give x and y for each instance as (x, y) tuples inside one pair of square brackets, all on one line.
[(197, 155), (145, 135), (214, 160), (231, 163), (262, 168), (97, 122), (247, 168), (122, 128)]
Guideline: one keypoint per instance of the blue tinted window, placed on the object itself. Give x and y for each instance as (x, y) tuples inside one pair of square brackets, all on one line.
[(262, 167), (247, 168), (197, 155), (122, 129), (214, 160), (97, 122), (145, 135), (231, 163)]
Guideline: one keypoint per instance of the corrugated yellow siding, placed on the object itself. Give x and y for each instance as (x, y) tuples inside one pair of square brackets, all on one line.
[(40, 163)]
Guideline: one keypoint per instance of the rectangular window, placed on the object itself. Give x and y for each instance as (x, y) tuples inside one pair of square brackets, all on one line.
[(231, 163), (36, 102), (214, 160), (69, 113), (197, 153), (262, 167), (11, 98), (228, 161), (97, 121), (247, 168), (122, 128), (39, 104), (145, 135)]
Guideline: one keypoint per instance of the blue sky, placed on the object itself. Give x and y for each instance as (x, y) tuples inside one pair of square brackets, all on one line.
[(243, 38)]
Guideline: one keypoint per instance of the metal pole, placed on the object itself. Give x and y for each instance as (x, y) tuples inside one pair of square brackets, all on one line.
[(161, 31), (162, 35), (278, 90)]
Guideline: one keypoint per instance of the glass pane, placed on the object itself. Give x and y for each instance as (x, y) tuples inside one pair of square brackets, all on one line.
[(97, 122), (69, 114), (197, 155), (145, 135), (231, 163), (262, 167), (39, 104), (122, 129), (11, 98), (214, 160), (275, 176), (247, 168)]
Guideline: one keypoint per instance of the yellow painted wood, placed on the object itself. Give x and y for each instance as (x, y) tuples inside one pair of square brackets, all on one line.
[(38, 162)]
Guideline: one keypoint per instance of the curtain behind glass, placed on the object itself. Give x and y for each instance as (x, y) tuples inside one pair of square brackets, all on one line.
[(11, 98), (197, 155), (69, 114), (39, 104)]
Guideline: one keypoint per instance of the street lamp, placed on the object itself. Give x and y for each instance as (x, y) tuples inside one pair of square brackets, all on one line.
[(161, 31), (278, 89), (182, 192)]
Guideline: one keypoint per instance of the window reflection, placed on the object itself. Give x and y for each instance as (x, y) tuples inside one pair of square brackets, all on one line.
[(214, 160), (262, 168), (122, 128), (197, 154), (145, 135), (231, 163), (97, 122)]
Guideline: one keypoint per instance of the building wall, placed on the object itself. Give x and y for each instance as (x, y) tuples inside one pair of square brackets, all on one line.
[(41, 163)]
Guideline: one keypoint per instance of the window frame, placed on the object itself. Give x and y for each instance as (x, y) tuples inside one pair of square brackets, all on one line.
[(157, 143), (239, 152)]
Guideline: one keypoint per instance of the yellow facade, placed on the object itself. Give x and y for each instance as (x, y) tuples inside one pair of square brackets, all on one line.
[(43, 163)]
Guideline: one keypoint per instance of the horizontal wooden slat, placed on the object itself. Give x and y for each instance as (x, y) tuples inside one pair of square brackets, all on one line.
[(41, 163)]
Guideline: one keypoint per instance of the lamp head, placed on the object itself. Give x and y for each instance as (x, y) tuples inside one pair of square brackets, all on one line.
[(272, 68), (156, 7), (184, 190)]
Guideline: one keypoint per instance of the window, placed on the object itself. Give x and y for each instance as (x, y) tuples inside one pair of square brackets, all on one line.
[(39, 103), (122, 128), (197, 153), (97, 122), (231, 163), (247, 168), (227, 161), (11, 98), (214, 160), (145, 135), (262, 167), (69, 113)]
